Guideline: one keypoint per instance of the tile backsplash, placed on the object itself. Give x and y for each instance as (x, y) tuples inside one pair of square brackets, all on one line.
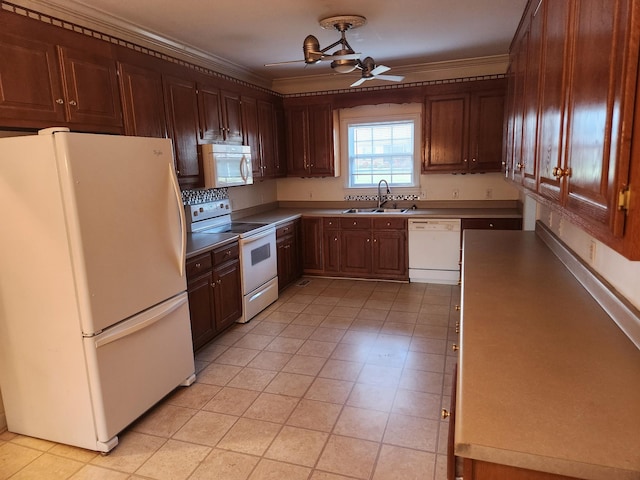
[(201, 195)]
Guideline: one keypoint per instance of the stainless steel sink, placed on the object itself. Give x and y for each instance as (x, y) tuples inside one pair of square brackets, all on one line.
[(376, 210)]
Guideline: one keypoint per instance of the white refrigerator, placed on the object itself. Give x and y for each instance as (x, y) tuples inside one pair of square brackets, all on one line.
[(94, 319)]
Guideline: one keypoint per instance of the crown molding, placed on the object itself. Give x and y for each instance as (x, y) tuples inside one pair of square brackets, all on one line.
[(133, 35), (95, 19), (417, 73)]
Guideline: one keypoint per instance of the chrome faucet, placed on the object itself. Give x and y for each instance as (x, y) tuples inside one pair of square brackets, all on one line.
[(380, 202)]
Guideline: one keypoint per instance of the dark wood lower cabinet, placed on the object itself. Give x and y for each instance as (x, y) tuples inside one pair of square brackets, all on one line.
[(479, 470), (214, 290), (288, 247), (357, 247)]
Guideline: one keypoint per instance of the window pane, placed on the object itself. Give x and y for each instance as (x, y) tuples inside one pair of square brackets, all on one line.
[(379, 151)]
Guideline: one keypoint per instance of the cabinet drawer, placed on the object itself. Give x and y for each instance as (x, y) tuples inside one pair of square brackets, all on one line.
[(331, 222), (284, 230), (198, 264), (388, 223), (221, 255), (492, 223), (355, 223)]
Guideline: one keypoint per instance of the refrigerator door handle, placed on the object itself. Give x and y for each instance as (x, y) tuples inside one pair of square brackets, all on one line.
[(183, 229), (143, 320)]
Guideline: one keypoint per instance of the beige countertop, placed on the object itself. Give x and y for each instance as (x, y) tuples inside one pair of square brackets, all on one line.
[(547, 381), (198, 243), (282, 215)]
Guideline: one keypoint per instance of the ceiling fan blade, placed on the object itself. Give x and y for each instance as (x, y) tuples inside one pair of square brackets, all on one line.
[(282, 63), (391, 78), (349, 56), (380, 69), (359, 82)]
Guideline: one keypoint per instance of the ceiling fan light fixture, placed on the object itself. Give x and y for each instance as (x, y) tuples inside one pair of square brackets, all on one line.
[(343, 65)]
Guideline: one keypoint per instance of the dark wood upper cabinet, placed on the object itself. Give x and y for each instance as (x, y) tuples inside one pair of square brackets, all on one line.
[(142, 101), (573, 82), (447, 133), (220, 119), (41, 83), (464, 130), (181, 105), (267, 139), (30, 84), (310, 140), (250, 136), (553, 92), (597, 158), (91, 87)]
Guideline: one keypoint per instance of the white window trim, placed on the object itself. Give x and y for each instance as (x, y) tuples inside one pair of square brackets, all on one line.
[(381, 113)]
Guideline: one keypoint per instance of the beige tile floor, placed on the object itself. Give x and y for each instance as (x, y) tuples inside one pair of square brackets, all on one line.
[(339, 379)]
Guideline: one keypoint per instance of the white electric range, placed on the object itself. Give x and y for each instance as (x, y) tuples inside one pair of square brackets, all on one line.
[(257, 242)]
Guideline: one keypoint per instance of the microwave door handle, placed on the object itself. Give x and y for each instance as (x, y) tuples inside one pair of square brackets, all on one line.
[(243, 165)]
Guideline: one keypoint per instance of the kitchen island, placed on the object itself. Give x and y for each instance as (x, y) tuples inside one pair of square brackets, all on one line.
[(547, 381)]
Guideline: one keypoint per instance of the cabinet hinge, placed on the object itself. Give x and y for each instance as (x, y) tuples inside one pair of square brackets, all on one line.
[(623, 199)]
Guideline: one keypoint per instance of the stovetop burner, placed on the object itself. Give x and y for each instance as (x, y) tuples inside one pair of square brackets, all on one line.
[(236, 227), (215, 217)]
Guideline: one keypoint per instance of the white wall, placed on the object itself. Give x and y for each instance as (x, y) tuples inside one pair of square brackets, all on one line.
[(432, 187), (621, 273)]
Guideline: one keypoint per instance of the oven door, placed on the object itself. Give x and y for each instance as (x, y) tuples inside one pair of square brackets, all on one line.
[(258, 259)]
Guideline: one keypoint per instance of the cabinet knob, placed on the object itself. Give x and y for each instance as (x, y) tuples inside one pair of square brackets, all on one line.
[(59, 101), (197, 265), (473, 160), (455, 347), (519, 166), (335, 239), (368, 240), (219, 281), (213, 285), (444, 414), (227, 253), (73, 103), (457, 307)]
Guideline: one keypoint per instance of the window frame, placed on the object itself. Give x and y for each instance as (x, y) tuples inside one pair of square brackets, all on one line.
[(381, 114)]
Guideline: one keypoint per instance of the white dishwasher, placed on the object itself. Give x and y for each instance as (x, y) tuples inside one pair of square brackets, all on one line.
[(434, 250)]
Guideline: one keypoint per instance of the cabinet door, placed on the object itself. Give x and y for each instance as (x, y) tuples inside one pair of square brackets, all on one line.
[(446, 133), (283, 248), (201, 301), (280, 147), (266, 138), (390, 254), (182, 118), (595, 111), (91, 88), (30, 87), (331, 245), (232, 118), (530, 108), (227, 294), (249, 109), (312, 258), (212, 128), (297, 140), (142, 101), (518, 65), (487, 120), (554, 47), (320, 140), (355, 252)]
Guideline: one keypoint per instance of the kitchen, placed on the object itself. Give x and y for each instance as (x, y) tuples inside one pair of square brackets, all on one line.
[(292, 191)]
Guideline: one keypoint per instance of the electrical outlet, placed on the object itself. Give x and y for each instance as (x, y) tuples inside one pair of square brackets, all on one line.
[(455, 194), (488, 194), (592, 251), (423, 195)]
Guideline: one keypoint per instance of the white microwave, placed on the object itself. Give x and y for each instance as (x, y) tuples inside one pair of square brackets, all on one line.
[(226, 165)]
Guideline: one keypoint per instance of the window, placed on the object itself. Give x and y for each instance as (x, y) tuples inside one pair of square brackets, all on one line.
[(381, 142)]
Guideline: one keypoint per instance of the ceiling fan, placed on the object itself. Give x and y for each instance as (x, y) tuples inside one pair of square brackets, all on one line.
[(344, 60)]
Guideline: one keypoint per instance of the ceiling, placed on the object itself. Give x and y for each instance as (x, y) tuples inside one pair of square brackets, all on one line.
[(243, 35)]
